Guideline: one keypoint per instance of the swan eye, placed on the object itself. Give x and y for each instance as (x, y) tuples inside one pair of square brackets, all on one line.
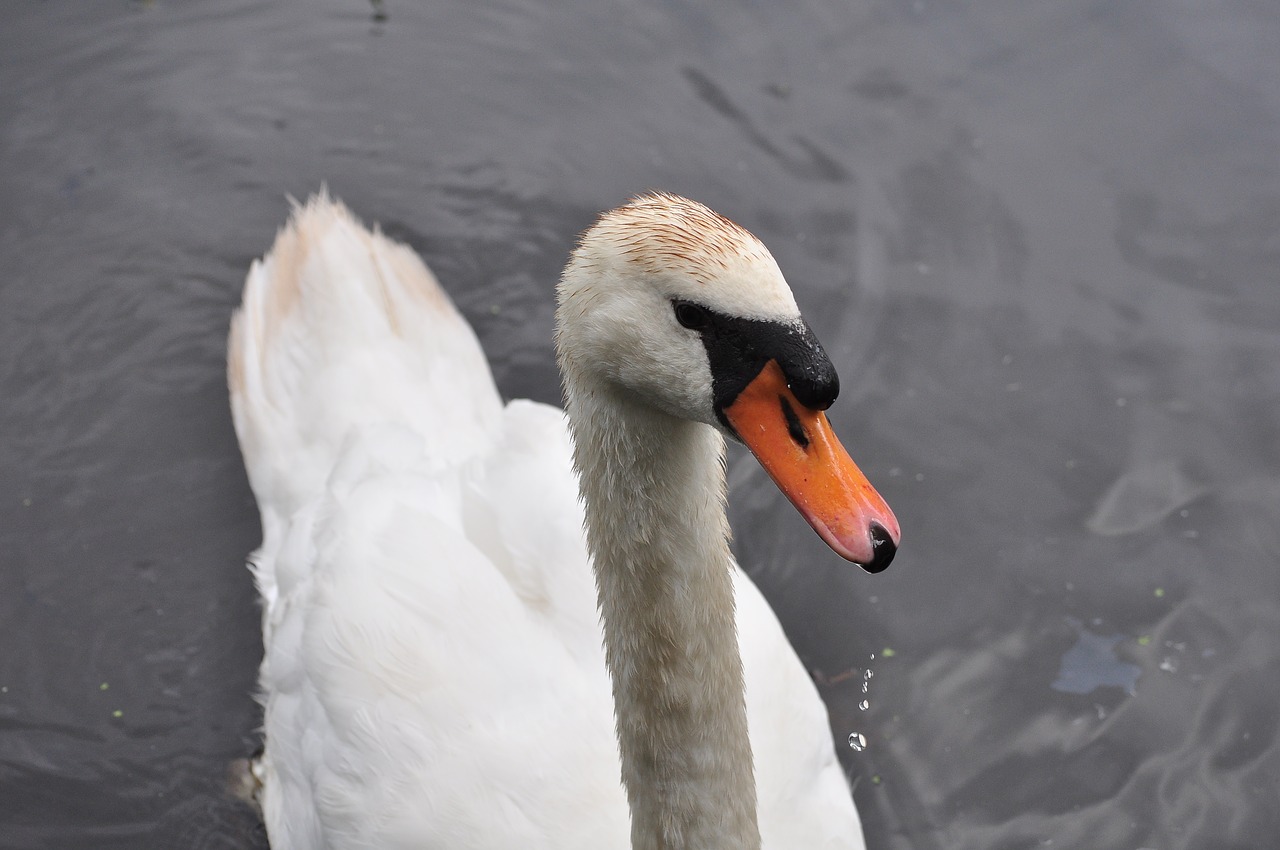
[(691, 316)]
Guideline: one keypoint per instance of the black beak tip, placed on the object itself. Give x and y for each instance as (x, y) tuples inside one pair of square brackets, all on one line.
[(883, 549)]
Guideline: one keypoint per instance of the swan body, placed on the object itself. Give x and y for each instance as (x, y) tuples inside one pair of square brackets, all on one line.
[(433, 672)]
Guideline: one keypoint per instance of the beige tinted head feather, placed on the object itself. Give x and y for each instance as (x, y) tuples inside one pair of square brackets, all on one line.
[(690, 250)]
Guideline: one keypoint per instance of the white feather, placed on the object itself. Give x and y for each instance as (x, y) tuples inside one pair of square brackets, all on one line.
[(433, 674)]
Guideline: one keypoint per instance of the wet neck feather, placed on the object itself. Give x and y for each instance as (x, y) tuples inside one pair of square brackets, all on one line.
[(654, 492)]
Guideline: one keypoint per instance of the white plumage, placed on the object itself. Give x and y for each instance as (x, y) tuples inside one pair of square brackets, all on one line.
[(433, 674)]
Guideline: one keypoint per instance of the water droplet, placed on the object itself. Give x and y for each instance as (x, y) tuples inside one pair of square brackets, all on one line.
[(865, 704), (869, 673), (858, 741)]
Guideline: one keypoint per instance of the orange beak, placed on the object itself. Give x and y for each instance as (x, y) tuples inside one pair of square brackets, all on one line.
[(798, 449)]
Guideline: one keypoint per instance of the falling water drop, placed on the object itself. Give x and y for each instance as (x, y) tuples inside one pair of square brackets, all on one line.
[(858, 741)]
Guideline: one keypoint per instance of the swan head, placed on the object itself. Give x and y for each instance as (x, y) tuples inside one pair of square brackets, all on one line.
[(674, 305)]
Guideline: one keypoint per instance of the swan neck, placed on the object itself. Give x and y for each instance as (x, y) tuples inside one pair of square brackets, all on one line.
[(654, 491)]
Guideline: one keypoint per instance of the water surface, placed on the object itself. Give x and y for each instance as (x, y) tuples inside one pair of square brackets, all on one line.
[(1039, 240)]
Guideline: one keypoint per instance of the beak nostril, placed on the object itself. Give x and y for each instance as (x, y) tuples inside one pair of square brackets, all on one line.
[(882, 548), (794, 427)]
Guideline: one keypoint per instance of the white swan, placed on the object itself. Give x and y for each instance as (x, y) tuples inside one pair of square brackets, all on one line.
[(433, 674)]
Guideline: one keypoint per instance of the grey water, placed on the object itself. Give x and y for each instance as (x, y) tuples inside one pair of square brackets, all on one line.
[(1041, 241)]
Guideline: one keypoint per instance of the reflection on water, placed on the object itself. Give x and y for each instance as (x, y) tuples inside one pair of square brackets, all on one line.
[(1092, 663), (1038, 239), (1141, 498)]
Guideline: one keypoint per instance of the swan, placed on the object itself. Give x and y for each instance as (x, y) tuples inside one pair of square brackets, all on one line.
[(440, 670)]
